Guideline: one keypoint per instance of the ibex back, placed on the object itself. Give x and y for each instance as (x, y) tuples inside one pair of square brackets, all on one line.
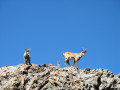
[(27, 57), (73, 56)]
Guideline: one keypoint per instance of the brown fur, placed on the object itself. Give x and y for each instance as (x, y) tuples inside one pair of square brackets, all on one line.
[(73, 56), (27, 57)]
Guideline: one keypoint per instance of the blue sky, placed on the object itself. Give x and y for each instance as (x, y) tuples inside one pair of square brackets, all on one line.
[(52, 27)]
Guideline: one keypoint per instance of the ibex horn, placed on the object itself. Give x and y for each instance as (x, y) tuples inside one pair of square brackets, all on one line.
[(83, 49)]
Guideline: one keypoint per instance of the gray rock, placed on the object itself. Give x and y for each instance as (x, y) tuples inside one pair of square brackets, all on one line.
[(42, 77)]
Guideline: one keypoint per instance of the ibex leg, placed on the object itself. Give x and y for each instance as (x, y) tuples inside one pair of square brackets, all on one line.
[(29, 62), (76, 64), (65, 62), (73, 63), (68, 62), (25, 61)]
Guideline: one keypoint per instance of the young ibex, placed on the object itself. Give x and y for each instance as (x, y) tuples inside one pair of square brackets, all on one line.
[(58, 62), (73, 56), (27, 56)]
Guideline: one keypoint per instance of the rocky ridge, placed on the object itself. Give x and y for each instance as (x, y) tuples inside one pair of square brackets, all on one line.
[(42, 77)]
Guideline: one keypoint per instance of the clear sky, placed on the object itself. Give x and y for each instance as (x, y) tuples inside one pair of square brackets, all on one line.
[(52, 27)]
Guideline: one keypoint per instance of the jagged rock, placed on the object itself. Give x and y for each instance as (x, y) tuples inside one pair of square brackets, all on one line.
[(50, 65), (118, 75), (42, 77)]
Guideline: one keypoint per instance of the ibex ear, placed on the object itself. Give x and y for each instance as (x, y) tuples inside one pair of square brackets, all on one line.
[(85, 50)]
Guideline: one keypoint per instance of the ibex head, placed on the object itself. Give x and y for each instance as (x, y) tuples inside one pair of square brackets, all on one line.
[(27, 50), (84, 51)]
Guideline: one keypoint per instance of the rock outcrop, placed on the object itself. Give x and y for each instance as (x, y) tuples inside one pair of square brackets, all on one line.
[(42, 77)]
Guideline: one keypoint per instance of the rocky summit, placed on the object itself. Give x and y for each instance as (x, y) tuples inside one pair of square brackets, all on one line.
[(42, 77)]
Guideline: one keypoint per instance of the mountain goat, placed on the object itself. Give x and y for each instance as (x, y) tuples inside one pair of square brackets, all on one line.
[(27, 56), (73, 56)]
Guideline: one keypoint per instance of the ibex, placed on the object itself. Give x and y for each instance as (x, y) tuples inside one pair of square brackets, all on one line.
[(73, 56), (27, 56), (58, 63)]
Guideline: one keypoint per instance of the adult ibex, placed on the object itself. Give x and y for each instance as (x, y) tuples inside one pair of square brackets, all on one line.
[(73, 56), (27, 56)]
